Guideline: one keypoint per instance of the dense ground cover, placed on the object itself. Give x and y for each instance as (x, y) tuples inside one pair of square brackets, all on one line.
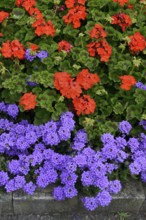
[(72, 96)]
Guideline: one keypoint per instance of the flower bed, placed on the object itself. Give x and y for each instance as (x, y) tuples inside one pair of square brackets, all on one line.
[(72, 101)]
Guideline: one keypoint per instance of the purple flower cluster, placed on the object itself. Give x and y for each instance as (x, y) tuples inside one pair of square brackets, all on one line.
[(140, 85), (34, 160), (30, 56), (10, 109)]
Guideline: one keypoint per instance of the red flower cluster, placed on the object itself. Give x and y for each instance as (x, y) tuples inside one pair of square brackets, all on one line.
[(123, 20), (1, 34), (84, 105), (127, 82), (41, 26), (97, 32), (137, 43), (67, 85), (3, 16), (86, 80), (102, 48), (74, 16), (121, 2), (64, 45), (28, 101), (72, 88), (26, 4), (13, 49), (71, 3)]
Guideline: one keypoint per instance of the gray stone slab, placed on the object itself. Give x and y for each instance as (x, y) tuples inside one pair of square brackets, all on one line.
[(90, 216), (143, 208), (41, 203), (6, 203), (130, 199)]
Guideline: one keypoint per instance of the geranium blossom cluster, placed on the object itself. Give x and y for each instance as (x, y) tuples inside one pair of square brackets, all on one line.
[(72, 88), (64, 45), (13, 49), (100, 47), (137, 43), (28, 100), (127, 82), (121, 2), (41, 26), (35, 149), (3, 16), (122, 19), (75, 14)]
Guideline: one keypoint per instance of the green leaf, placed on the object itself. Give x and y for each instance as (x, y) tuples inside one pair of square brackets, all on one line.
[(17, 13)]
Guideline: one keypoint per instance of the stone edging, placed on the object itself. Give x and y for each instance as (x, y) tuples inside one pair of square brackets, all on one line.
[(131, 199)]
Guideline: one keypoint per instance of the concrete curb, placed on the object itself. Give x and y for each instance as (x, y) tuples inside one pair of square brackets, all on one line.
[(131, 199)]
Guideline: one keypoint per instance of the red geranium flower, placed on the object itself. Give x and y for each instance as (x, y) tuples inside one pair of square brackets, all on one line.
[(13, 49), (64, 45), (86, 80), (84, 105), (75, 15), (41, 27), (122, 20), (3, 16), (137, 43), (127, 82), (71, 3), (97, 32), (67, 86), (28, 101), (102, 49), (121, 2)]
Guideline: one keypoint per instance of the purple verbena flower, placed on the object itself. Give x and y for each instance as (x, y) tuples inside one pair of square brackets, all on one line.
[(125, 127), (90, 203)]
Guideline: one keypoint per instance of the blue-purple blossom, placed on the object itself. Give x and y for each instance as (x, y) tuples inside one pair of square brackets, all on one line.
[(29, 188), (114, 186), (3, 178), (120, 142), (101, 182), (29, 56), (3, 107), (42, 54), (103, 198), (107, 138), (135, 168), (140, 85), (133, 143), (68, 178), (77, 145), (87, 178), (143, 176), (64, 134), (143, 123), (109, 151), (58, 193), (12, 110), (14, 166), (81, 136), (90, 203), (125, 127), (70, 191), (51, 138)]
